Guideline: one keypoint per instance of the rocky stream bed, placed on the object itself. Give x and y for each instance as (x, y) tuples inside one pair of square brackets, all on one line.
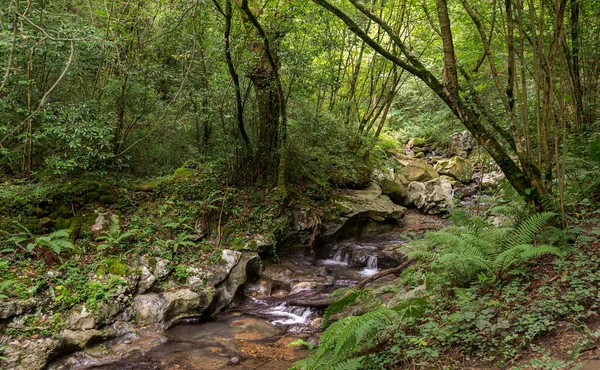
[(256, 330)]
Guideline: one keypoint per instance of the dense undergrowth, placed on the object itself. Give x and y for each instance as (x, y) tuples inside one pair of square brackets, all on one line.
[(482, 295)]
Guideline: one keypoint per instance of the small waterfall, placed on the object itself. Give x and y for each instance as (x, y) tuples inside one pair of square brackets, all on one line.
[(371, 267), (340, 258), (290, 315)]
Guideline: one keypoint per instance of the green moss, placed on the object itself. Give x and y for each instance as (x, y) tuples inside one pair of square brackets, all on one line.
[(115, 267), (45, 223), (419, 141), (62, 223), (107, 199), (75, 226), (180, 175)]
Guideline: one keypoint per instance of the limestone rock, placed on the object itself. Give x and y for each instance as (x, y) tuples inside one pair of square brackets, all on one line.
[(394, 191), (415, 170), (360, 212), (30, 354), (162, 269), (148, 308), (9, 309), (260, 243), (186, 303), (431, 196), (370, 203), (81, 321), (248, 263), (73, 340), (462, 143), (491, 180), (146, 280), (456, 167)]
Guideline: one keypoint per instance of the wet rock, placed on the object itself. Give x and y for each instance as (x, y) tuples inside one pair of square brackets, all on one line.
[(430, 197), (234, 361), (10, 309), (316, 324), (227, 289), (305, 285), (260, 288), (359, 258), (389, 257), (394, 191), (81, 321), (456, 167), (148, 308), (186, 303)]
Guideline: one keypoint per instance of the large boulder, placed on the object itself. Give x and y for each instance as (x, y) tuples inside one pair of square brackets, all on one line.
[(394, 191), (186, 303), (148, 308), (415, 170), (73, 340), (456, 167), (430, 197), (360, 212), (228, 289)]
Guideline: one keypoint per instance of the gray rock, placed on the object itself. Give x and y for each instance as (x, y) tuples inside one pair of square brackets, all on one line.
[(491, 180), (462, 143), (10, 309), (162, 269), (431, 196), (415, 170), (148, 308), (146, 280), (185, 303), (73, 340), (197, 277), (30, 354), (81, 321), (235, 280)]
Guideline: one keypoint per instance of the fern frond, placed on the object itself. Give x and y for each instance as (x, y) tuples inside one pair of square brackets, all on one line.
[(526, 231), (355, 363), (346, 300)]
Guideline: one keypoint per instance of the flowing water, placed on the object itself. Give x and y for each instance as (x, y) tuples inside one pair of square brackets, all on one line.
[(255, 333)]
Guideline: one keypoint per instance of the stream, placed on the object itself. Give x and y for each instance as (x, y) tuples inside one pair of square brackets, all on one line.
[(255, 332)]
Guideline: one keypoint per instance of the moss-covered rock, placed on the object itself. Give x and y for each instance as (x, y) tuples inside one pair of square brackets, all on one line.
[(415, 170), (456, 167), (393, 190)]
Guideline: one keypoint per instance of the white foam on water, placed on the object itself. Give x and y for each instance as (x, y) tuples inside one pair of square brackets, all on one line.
[(371, 268), (290, 315), (340, 258)]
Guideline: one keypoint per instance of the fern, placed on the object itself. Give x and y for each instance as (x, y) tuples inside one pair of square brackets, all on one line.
[(343, 342), (465, 252), (346, 300), (5, 285)]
